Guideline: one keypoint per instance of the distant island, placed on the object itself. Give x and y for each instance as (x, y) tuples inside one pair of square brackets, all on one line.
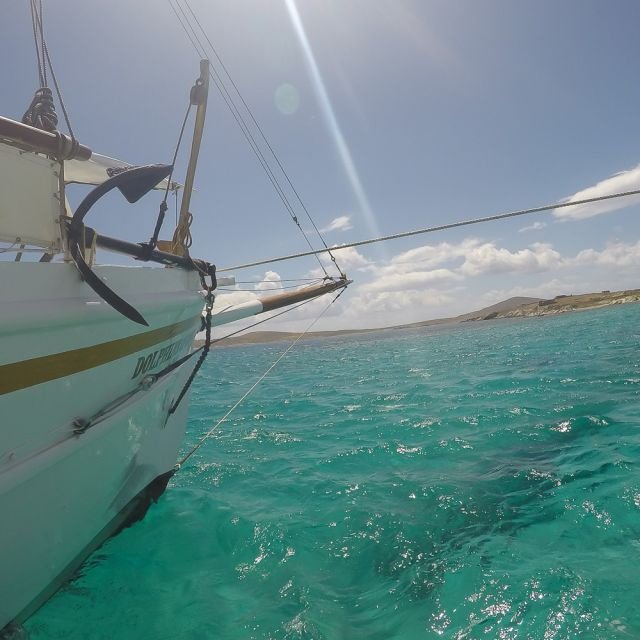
[(518, 307), (559, 304)]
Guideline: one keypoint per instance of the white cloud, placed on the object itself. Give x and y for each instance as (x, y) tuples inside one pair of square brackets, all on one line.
[(433, 255), (471, 257), (270, 281), (616, 255), (536, 226), (623, 181), (348, 257), (410, 280), (421, 300), (487, 258), (341, 223), (446, 279), (224, 300), (424, 266)]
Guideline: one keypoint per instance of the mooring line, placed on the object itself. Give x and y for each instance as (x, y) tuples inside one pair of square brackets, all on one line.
[(253, 386)]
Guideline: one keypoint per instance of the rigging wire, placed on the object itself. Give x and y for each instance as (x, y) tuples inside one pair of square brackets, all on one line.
[(13, 248), (255, 324), (39, 56), (257, 291), (262, 134), (43, 51), (242, 124), (184, 28), (220, 85), (153, 241), (442, 227), (211, 431), (291, 286), (281, 280), (42, 45), (177, 149)]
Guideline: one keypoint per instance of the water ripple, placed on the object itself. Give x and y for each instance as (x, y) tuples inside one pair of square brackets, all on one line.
[(462, 482)]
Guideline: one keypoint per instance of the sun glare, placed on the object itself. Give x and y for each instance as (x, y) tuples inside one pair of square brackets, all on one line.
[(331, 120)]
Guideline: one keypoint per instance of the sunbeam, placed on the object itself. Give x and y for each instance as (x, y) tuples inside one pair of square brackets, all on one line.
[(331, 120)]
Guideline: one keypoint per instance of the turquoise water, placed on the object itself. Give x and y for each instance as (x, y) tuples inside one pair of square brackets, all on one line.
[(478, 481)]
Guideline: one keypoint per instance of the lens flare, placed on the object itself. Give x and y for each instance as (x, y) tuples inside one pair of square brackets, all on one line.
[(287, 99)]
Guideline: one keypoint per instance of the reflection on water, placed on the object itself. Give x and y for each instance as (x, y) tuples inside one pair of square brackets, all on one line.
[(470, 482)]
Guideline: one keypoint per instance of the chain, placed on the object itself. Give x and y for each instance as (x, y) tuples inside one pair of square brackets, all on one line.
[(209, 300)]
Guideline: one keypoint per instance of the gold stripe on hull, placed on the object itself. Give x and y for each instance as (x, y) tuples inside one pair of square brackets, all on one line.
[(27, 373)]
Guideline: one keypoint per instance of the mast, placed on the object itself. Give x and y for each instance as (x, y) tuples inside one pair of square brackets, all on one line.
[(199, 93)]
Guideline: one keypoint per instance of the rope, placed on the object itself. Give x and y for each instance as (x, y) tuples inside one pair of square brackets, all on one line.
[(79, 425), (182, 234), (281, 280), (255, 324), (201, 54), (442, 227), (42, 104), (42, 45), (39, 57), (253, 386), (41, 113), (21, 248), (12, 247), (153, 241), (241, 122), (205, 349), (178, 363), (175, 153), (290, 286), (59, 94)]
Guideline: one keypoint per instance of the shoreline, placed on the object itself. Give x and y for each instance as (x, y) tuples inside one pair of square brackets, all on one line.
[(508, 309)]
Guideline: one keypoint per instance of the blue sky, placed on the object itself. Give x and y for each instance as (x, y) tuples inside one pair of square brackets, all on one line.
[(388, 115)]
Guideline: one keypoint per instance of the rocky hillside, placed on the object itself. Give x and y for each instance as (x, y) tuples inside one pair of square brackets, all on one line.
[(560, 304)]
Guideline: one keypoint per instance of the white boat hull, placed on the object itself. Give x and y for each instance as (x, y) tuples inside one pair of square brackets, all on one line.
[(65, 355)]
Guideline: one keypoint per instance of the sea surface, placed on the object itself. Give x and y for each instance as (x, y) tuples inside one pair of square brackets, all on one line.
[(471, 481)]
